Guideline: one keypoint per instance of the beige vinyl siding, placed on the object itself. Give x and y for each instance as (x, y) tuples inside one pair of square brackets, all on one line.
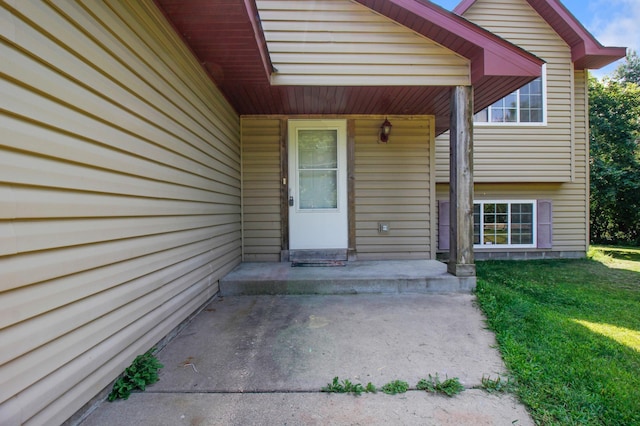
[(119, 196), (261, 189), (570, 200), (534, 162), (337, 42), (523, 153), (393, 185), (581, 126), (570, 216)]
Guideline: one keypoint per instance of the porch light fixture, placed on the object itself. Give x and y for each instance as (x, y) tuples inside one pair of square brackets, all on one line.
[(385, 131)]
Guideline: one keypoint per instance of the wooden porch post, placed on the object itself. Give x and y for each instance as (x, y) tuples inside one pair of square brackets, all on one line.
[(461, 262)]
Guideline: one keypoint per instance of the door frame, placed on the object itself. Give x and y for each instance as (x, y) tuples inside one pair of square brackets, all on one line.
[(322, 232), (284, 187)]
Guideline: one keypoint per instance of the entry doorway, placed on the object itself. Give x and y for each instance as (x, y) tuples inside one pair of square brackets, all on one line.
[(318, 210)]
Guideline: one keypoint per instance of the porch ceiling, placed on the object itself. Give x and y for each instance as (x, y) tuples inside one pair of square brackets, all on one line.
[(225, 35)]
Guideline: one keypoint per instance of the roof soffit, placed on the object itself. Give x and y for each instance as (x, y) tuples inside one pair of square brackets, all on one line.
[(227, 42)]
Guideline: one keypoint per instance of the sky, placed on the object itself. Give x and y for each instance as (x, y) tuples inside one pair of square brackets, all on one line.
[(612, 23)]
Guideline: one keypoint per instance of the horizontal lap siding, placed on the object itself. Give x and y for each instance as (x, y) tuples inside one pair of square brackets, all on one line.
[(549, 162), (581, 128), (392, 185), (342, 43), (119, 197), (261, 189), (570, 201), (523, 153), (569, 209)]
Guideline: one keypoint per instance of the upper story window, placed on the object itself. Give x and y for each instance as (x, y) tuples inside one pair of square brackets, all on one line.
[(524, 106)]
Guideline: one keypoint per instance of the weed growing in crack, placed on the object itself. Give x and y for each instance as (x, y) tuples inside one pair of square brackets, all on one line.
[(394, 387), (346, 386), (449, 387), (496, 385), (142, 372)]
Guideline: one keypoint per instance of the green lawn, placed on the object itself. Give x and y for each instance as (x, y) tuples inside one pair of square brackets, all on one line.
[(569, 332)]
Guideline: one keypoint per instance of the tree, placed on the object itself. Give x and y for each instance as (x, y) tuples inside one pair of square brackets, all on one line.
[(615, 157), (629, 71)]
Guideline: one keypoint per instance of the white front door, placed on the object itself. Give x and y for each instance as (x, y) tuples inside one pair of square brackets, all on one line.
[(318, 184)]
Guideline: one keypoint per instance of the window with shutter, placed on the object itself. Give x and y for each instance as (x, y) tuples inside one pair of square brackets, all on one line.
[(504, 224)]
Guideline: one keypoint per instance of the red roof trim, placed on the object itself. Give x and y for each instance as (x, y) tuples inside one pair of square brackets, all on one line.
[(254, 18), (223, 38), (463, 6), (586, 51), (490, 55)]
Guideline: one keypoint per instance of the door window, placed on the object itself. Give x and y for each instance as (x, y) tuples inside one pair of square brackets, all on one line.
[(318, 169)]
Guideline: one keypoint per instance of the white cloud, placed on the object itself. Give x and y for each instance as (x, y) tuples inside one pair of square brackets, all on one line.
[(622, 32), (620, 26), (615, 23)]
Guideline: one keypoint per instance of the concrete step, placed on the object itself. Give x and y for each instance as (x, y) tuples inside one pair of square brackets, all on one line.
[(358, 277)]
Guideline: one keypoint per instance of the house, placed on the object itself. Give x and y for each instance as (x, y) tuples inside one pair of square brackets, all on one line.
[(149, 147), (531, 148)]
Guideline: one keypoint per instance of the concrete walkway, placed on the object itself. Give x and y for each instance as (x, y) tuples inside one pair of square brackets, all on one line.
[(262, 360)]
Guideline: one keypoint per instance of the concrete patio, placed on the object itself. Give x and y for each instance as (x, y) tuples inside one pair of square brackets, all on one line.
[(249, 360)]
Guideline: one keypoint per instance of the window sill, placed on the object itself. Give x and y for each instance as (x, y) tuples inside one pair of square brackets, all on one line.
[(503, 247), (481, 124)]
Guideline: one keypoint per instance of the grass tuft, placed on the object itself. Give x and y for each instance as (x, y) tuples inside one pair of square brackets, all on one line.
[(496, 385), (449, 387), (394, 387), (346, 386)]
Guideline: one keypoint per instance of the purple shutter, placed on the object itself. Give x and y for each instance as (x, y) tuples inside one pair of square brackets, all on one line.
[(545, 219), (443, 225)]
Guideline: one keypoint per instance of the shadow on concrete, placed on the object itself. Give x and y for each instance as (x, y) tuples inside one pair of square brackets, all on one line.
[(263, 360)]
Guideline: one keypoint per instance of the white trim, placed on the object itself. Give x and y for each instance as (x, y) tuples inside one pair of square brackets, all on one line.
[(542, 123), (534, 224)]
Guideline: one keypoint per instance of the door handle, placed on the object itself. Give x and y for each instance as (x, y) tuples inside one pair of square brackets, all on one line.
[(291, 200)]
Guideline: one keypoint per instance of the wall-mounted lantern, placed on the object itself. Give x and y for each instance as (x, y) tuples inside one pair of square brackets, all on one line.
[(385, 131)]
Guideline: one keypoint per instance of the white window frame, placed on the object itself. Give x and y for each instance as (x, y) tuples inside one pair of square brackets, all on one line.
[(534, 224), (518, 123)]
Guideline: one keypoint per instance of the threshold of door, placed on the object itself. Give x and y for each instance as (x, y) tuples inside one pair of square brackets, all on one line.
[(317, 255), (318, 263)]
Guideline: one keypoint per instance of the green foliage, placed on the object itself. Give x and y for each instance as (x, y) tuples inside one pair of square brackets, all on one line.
[(449, 387), (394, 387), (426, 385), (496, 385), (566, 372), (346, 386), (615, 156), (629, 71), (141, 373)]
